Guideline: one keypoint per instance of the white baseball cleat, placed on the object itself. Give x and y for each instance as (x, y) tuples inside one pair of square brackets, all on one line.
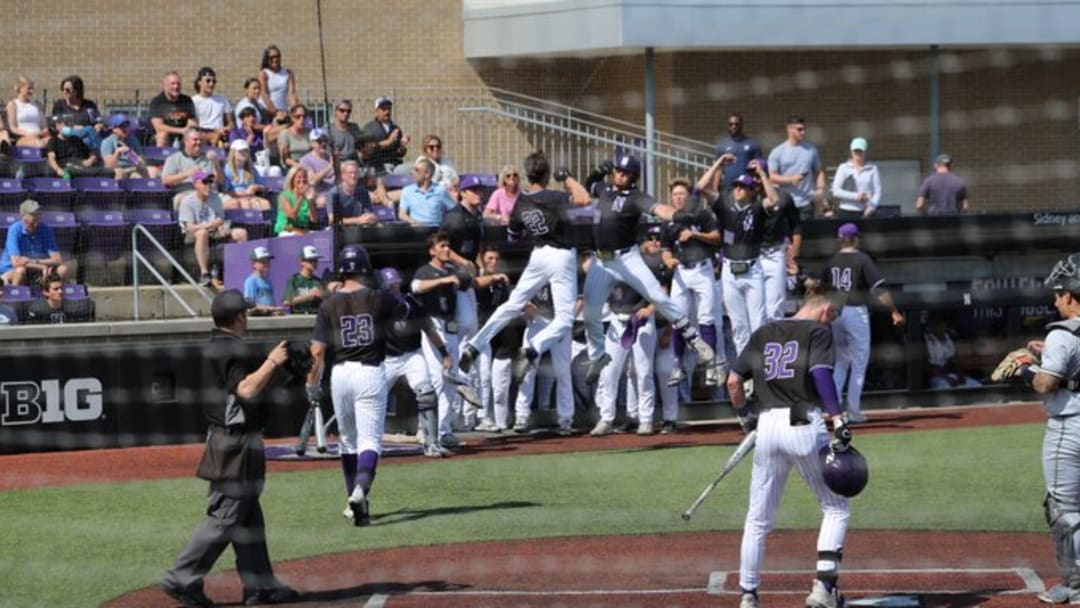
[(602, 428), (1060, 594), (704, 351), (820, 598), (677, 377), (645, 428), (749, 600)]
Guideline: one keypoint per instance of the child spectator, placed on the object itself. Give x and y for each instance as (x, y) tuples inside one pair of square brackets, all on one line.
[(258, 288), (304, 292)]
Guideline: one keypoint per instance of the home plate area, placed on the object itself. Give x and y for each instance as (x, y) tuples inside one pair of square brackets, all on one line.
[(893, 588)]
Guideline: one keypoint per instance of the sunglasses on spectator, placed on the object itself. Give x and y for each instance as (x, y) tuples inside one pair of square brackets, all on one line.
[(434, 146), (734, 123), (208, 180), (346, 110), (654, 237), (511, 175), (299, 115)]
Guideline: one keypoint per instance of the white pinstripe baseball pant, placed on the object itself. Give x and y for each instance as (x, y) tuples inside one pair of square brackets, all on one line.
[(744, 299), (640, 387), (359, 395), (449, 401), (560, 364), (851, 339), (500, 392), (773, 262)]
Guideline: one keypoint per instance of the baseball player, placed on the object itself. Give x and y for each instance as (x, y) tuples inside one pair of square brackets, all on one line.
[(405, 359), (631, 330), (353, 321), (855, 274), (781, 242), (1057, 379), (539, 315), (741, 222), (540, 214), (791, 361), (494, 366), (688, 247), (617, 257)]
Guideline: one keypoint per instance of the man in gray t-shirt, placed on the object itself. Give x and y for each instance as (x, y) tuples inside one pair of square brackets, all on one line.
[(202, 220), (795, 168), (943, 192)]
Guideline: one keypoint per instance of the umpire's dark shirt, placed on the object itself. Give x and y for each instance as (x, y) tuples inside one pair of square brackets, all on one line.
[(228, 359)]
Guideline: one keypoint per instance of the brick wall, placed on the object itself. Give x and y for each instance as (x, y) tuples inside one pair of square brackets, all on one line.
[(1008, 117)]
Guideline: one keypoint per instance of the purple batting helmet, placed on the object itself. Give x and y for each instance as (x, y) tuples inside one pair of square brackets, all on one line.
[(354, 259), (389, 276), (845, 472), (629, 164)]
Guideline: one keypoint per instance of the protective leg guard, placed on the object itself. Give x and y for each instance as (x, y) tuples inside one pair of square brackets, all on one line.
[(1064, 522), (828, 568)]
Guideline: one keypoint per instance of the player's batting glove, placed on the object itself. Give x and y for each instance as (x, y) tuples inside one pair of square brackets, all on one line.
[(748, 419), (561, 174), (841, 434), (314, 394)]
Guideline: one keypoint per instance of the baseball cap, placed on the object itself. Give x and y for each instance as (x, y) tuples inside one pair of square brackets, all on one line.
[(389, 276), (29, 206), (261, 253), (470, 181), (383, 101), (239, 144), (744, 180), (847, 231), (118, 120), (859, 143), (200, 175), (228, 303), (309, 252), (943, 159), (317, 133)]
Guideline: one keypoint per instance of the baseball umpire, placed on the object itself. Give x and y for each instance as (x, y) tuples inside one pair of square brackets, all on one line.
[(1057, 378), (237, 374), (353, 321), (791, 363)]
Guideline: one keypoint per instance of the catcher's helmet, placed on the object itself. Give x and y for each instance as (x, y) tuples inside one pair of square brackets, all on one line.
[(1066, 275), (354, 259), (845, 471), (629, 164)]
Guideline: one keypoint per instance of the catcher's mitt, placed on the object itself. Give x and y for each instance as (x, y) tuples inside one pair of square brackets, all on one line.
[(300, 361), (1012, 362)]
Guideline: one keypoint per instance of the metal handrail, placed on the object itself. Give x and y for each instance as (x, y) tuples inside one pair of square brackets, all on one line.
[(139, 258)]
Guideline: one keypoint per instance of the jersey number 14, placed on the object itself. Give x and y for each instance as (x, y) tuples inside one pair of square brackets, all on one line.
[(841, 278)]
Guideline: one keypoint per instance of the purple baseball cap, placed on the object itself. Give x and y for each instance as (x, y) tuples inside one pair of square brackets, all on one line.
[(744, 180), (847, 231), (470, 181), (389, 275), (199, 175)]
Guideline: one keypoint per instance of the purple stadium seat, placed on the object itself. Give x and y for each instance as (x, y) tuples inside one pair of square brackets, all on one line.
[(273, 184), (252, 220), (147, 193), (12, 193), (385, 213), (7, 218), (156, 155), (54, 193), (75, 291), (98, 193), (65, 228), (397, 182), (18, 297), (32, 160), (160, 224), (106, 232)]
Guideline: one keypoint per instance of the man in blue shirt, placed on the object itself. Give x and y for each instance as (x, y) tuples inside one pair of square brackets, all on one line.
[(743, 147), (30, 253), (424, 203), (795, 168)]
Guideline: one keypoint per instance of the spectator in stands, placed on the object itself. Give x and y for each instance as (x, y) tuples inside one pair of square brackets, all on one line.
[(26, 118), (30, 253), (213, 112), (278, 83), (119, 151), (296, 213), (294, 142), (80, 115), (796, 168), (348, 200), (8, 316), (202, 220), (242, 189), (740, 145), (433, 151), (943, 192), (256, 136), (391, 143), (53, 308), (320, 165), (171, 112), (344, 135), (942, 370), (259, 289), (424, 203), (304, 292), (857, 185), (68, 156), (7, 165), (253, 99), (501, 203), (181, 165)]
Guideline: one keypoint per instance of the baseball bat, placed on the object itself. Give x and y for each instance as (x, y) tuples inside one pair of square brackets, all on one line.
[(740, 452), (305, 433), (320, 430)]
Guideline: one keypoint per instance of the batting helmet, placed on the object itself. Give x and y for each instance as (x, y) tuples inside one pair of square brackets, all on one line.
[(354, 259), (629, 164), (1066, 275), (845, 471)]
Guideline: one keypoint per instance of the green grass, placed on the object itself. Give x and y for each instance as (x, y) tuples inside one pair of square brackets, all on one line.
[(82, 545)]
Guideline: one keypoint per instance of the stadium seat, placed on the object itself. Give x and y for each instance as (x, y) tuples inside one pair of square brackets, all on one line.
[(252, 220), (7, 218), (156, 155), (147, 193), (397, 182), (66, 230), (75, 291), (101, 193), (106, 247), (386, 213), (12, 193), (54, 193), (18, 297), (31, 159)]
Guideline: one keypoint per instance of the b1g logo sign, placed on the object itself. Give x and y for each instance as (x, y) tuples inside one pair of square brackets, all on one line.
[(49, 402)]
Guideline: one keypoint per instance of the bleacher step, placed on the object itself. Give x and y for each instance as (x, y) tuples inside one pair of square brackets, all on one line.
[(155, 302)]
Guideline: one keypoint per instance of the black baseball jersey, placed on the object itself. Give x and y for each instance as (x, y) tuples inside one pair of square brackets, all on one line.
[(624, 299), (490, 298), (543, 217), (693, 251), (854, 273), (354, 324), (441, 302), (781, 356), (618, 213), (783, 222), (465, 229), (740, 229), (404, 334)]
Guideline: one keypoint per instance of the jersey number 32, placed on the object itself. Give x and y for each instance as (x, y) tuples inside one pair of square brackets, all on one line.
[(356, 330)]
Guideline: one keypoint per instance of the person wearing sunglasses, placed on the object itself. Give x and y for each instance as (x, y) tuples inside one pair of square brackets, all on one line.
[(500, 204), (390, 141), (795, 168), (343, 134), (202, 221), (445, 173), (84, 119), (213, 112), (740, 145), (171, 112), (277, 83), (294, 142)]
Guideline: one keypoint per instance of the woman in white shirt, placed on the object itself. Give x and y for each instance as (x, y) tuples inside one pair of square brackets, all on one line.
[(26, 119), (278, 83), (213, 112), (857, 185)]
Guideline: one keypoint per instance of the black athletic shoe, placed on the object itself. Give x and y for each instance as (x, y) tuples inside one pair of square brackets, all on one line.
[(525, 359), (595, 367), (668, 428), (191, 597), (277, 595), (468, 355)]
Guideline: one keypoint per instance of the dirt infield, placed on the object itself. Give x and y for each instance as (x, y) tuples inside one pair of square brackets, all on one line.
[(926, 569)]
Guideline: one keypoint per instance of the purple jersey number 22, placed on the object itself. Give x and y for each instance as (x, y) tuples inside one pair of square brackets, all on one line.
[(779, 358)]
